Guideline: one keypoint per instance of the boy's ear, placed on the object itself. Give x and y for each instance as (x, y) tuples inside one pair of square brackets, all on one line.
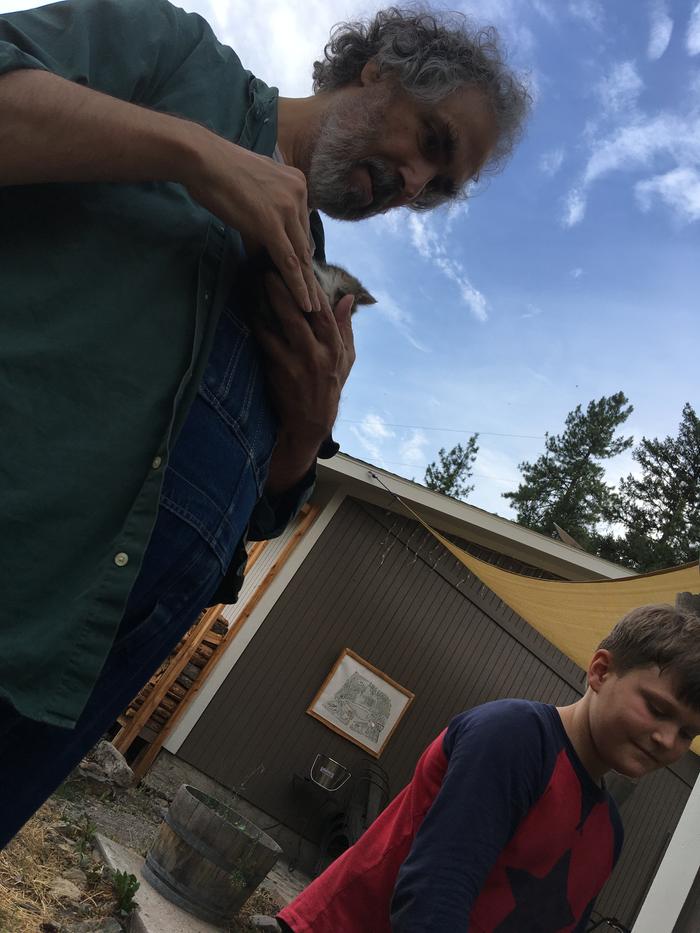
[(600, 669)]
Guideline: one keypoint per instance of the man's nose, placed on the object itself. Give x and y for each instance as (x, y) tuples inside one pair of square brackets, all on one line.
[(415, 176)]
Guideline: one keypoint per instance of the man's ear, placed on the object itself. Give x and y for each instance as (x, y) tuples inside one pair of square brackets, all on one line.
[(600, 669), (370, 73)]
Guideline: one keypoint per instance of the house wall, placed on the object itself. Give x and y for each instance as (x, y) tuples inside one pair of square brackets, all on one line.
[(381, 585)]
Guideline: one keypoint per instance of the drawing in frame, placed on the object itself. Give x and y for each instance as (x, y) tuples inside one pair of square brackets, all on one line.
[(360, 702)]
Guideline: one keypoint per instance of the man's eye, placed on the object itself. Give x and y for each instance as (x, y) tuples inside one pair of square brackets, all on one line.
[(431, 142), (654, 710)]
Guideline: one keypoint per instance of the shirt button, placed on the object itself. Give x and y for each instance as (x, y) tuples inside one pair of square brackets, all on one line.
[(121, 559), (206, 296), (156, 462)]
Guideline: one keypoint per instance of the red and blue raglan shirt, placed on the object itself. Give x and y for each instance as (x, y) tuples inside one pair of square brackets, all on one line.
[(501, 830)]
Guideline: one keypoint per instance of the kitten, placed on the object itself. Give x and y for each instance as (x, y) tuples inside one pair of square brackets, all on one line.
[(335, 281)]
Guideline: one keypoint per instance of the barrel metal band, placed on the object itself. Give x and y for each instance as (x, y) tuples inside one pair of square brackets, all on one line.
[(161, 879), (198, 844)]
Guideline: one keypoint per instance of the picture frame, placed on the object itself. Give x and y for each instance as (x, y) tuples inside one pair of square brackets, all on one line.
[(360, 702)]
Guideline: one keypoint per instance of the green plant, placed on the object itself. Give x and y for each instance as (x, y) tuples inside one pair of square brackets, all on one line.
[(86, 835), (125, 887)]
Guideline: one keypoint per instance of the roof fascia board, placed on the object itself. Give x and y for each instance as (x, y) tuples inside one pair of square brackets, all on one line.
[(467, 521)]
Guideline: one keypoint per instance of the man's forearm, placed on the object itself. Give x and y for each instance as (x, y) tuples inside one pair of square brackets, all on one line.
[(53, 130)]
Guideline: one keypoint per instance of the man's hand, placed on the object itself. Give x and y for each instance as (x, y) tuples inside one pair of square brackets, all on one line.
[(309, 359), (53, 130), (266, 202)]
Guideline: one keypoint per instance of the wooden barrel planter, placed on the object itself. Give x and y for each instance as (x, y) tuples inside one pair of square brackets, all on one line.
[(207, 858)]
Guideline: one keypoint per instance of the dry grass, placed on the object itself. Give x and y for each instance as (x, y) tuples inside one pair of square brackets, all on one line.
[(30, 865), (57, 840)]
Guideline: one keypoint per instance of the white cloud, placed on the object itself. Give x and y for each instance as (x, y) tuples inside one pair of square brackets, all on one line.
[(679, 189), (551, 162), (640, 146), (507, 16), (412, 449), (692, 38), (375, 426), (544, 10), (636, 145), (590, 11), (532, 311), (282, 56), (391, 220), (424, 236), (456, 211), (495, 466), (399, 317), (577, 272), (660, 30), (370, 433), (431, 246), (620, 89), (471, 296), (575, 207)]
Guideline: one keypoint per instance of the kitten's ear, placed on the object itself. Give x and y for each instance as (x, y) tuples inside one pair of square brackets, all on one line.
[(363, 297)]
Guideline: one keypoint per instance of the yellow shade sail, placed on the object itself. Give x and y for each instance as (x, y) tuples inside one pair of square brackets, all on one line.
[(575, 617)]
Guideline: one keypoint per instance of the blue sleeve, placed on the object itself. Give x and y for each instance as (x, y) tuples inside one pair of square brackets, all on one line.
[(272, 514), (496, 771)]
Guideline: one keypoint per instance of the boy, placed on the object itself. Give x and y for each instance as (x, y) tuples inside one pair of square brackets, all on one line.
[(506, 826)]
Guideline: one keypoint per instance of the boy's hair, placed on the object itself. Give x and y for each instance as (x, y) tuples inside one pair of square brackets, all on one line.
[(661, 635)]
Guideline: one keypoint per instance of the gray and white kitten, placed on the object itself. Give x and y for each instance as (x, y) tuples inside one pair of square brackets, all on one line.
[(335, 281)]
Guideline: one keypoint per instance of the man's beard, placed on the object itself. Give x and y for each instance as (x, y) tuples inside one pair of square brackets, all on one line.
[(336, 154)]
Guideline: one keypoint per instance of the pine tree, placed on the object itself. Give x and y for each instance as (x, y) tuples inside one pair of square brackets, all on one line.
[(660, 509), (566, 484), (454, 470)]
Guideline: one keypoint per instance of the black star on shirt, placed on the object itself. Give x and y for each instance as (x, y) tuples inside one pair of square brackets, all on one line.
[(541, 904)]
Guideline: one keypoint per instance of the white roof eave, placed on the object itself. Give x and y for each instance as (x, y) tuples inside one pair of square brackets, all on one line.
[(466, 521)]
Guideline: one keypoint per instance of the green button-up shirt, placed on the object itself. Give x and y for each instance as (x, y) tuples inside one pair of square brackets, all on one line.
[(109, 295)]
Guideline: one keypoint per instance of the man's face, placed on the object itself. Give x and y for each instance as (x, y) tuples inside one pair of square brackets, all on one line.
[(379, 148), (638, 724)]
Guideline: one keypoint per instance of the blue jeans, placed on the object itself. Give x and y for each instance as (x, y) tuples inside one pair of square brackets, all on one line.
[(215, 475)]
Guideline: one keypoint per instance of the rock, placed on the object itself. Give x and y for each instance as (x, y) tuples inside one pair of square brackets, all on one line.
[(106, 765), (64, 889), (108, 925), (260, 922), (61, 831), (66, 848), (77, 876)]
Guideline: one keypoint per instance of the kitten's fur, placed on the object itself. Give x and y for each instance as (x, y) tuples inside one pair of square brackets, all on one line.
[(335, 281)]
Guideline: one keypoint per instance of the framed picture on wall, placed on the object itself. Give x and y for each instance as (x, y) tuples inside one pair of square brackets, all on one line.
[(360, 702)]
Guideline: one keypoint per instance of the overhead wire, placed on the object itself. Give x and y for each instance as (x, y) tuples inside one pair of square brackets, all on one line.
[(427, 427)]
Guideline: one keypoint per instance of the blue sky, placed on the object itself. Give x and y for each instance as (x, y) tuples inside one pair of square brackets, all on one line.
[(573, 274)]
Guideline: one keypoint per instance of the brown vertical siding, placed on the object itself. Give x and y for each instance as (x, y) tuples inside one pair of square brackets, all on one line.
[(381, 585)]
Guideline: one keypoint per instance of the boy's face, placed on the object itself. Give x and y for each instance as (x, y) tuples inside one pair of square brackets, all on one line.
[(637, 722)]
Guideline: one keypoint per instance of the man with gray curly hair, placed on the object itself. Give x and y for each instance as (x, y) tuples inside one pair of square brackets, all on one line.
[(148, 434), (411, 107)]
